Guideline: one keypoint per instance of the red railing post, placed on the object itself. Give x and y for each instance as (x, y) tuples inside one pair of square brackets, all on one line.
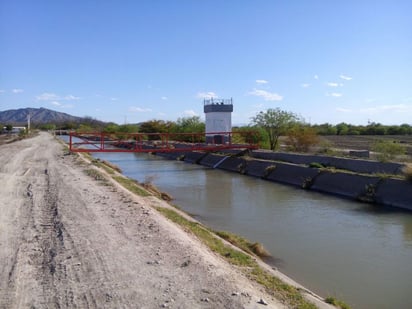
[(70, 141)]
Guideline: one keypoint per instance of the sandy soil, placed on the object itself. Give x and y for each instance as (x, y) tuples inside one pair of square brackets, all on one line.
[(67, 241)]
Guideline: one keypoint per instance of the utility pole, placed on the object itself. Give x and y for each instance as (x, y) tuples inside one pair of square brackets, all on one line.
[(28, 123)]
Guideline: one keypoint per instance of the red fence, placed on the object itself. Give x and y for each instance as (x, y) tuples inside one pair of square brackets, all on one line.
[(161, 142)]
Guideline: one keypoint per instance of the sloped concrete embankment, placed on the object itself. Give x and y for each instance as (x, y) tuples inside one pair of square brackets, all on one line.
[(356, 179), (353, 165)]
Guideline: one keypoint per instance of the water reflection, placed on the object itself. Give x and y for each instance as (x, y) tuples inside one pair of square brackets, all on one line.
[(390, 216)]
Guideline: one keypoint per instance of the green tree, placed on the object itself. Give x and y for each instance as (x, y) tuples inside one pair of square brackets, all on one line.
[(342, 128), (9, 128), (405, 129), (128, 128), (156, 126), (250, 135), (193, 128), (325, 129), (301, 137), (47, 127), (68, 125), (84, 128), (275, 122), (375, 129), (111, 128), (394, 130), (190, 125), (353, 130)]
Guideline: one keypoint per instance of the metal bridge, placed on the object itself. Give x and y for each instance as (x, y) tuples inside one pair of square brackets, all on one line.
[(161, 142)]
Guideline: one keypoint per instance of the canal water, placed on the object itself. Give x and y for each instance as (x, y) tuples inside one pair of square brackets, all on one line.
[(356, 252)]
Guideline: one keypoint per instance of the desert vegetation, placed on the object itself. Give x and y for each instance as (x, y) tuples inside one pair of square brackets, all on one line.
[(407, 171), (273, 129)]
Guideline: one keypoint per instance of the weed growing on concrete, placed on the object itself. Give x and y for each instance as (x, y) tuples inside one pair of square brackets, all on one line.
[(268, 171), (384, 175), (369, 195), (180, 158), (316, 165), (307, 182), (241, 168)]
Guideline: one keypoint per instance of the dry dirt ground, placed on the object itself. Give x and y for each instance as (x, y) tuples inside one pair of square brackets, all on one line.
[(67, 241)]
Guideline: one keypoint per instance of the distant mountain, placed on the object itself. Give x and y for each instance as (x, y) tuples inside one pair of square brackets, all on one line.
[(37, 116)]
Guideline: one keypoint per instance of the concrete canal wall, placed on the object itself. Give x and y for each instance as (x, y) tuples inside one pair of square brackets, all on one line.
[(360, 180), (394, 192), (354, 165)]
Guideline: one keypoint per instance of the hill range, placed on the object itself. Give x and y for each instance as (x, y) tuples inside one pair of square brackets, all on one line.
[(37, 116)]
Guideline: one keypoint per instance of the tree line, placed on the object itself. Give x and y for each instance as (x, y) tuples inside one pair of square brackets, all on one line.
[(268, 125), (372, 128)]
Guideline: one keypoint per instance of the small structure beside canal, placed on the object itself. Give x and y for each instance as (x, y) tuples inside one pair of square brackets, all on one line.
[(218, 113)]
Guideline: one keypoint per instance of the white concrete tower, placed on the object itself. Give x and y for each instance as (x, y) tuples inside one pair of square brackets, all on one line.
[(218, 119)]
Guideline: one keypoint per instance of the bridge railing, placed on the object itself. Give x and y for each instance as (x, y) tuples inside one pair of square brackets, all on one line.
[(161, 142)]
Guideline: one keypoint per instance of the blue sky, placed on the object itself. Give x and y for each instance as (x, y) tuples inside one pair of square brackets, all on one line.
[(132, 61)]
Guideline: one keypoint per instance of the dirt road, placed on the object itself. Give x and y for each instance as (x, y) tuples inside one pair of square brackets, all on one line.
[(67, 241)]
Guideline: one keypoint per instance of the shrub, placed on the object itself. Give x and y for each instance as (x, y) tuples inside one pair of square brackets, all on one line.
[(407, 171), (301, 138), (388, 150)]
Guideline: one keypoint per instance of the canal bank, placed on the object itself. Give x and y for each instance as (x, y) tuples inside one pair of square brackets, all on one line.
[(290, 295), (362, 180), (72, 237), (331, 245)]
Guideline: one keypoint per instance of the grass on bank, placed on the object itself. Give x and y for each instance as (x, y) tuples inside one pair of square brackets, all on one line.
[(284, 292), (244, 244), (95, 174), (337, 303), (142, 189), (106, 165), (131, 185)]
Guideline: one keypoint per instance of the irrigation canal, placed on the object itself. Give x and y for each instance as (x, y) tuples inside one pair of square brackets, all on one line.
[(356, 252)]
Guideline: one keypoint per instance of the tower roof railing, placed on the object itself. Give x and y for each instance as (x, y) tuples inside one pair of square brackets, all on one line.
[(215, 101)]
